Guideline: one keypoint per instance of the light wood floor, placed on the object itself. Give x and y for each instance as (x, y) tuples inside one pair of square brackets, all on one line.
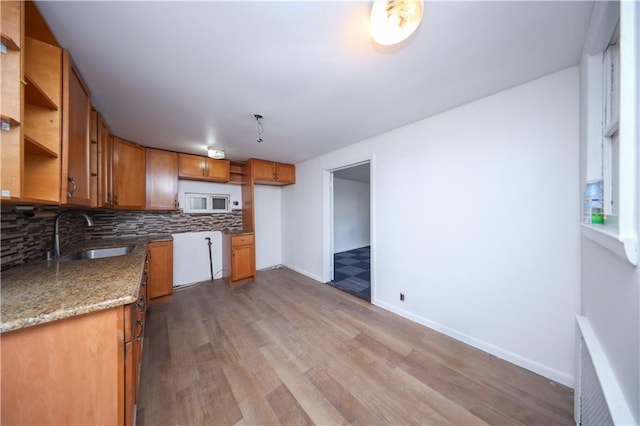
[(287, 350)]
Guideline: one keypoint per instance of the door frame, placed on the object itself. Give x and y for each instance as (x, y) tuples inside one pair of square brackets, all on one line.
[(327, 219)]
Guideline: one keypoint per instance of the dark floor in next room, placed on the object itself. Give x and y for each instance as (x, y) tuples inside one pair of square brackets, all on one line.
[(352, 272)]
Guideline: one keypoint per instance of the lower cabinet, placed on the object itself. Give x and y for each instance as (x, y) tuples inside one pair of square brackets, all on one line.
[(160, 271), (79, 370), (239, 258)]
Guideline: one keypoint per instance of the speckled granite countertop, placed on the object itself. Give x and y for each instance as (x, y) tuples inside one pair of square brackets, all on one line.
[(48, 290)]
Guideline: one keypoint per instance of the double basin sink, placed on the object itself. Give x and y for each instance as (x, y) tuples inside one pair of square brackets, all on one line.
[(98, 253)]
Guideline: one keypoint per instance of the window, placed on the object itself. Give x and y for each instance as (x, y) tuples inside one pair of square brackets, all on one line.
[(610, 124), (611, 137), (207, 203)]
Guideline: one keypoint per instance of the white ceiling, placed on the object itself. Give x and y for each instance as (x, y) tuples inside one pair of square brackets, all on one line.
[(181, 75)]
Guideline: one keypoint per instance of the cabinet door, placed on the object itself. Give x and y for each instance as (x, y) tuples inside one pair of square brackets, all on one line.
[(286, 173), (105, 162), (76, 118), (191, 166), (129, 393), (242, 262), (217, 170), (128, 175), (162, 180), (263, 170), (93, 157), (160, 269), (64, 372)]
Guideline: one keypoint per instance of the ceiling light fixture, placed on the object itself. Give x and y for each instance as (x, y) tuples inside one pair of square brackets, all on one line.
[(258, 118), (215, 152), (394, 20)]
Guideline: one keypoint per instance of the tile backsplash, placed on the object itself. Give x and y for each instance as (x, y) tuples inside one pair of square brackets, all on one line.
[(24, 239)]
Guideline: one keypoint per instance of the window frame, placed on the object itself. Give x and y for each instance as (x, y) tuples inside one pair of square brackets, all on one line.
[(620, 234)]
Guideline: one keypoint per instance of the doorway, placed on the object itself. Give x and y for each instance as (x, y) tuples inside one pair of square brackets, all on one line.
[(351, 230)]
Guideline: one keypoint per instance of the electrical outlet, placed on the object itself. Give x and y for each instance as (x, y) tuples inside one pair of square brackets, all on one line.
[(402, 297)]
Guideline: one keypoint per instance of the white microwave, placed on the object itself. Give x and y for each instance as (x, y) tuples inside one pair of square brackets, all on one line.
[(207, 203)]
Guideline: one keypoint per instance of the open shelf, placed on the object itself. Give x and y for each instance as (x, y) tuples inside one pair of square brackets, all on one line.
[(34, 95), (9, 42), (12, 121), (33, 147), (236, 172)]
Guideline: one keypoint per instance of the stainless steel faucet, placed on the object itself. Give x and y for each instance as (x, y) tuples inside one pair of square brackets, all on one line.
[(56, 229)]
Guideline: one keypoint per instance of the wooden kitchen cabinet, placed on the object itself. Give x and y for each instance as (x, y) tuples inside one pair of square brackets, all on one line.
[(79, 370), (196, 167), (43, 105), (105, 162), (237, 172), (11, 104), (272, 173), (160, 287), (239, 258), (128, 175), (94, 157), (76, 122), (162, 180)]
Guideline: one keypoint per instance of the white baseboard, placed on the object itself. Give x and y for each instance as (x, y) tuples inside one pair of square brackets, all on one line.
[(504, 354), (309, 274)]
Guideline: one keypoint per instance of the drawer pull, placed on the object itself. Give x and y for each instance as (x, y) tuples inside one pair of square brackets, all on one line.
[(141, 332), (74, 187)]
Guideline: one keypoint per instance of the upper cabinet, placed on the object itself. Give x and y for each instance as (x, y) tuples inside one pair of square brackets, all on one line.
[(272, 173), (76, 118), (162, 180), (42, 121), (128, 175), (105, 162), (11, 22), (195, 167)]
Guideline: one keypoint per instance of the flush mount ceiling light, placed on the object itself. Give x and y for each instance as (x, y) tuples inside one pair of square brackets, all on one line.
[(394, 20), (215, 152)]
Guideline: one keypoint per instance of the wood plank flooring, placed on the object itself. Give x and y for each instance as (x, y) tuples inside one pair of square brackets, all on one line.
[(288, 350)]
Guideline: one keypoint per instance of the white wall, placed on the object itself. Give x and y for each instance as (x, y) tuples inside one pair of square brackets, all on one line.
[(487, 248), (268, 225), (610, 285), (351, 205)]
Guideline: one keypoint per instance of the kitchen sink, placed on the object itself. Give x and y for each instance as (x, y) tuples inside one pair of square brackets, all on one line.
[(99, 253)]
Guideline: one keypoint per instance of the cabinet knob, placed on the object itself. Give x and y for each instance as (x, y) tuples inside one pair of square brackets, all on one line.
[(142, 303)]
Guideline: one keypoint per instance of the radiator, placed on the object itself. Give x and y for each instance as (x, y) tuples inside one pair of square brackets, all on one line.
[(599, 399)]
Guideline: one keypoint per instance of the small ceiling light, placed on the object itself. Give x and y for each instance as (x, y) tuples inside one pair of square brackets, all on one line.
[(215, 152), (259, 118), (394, 20)]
